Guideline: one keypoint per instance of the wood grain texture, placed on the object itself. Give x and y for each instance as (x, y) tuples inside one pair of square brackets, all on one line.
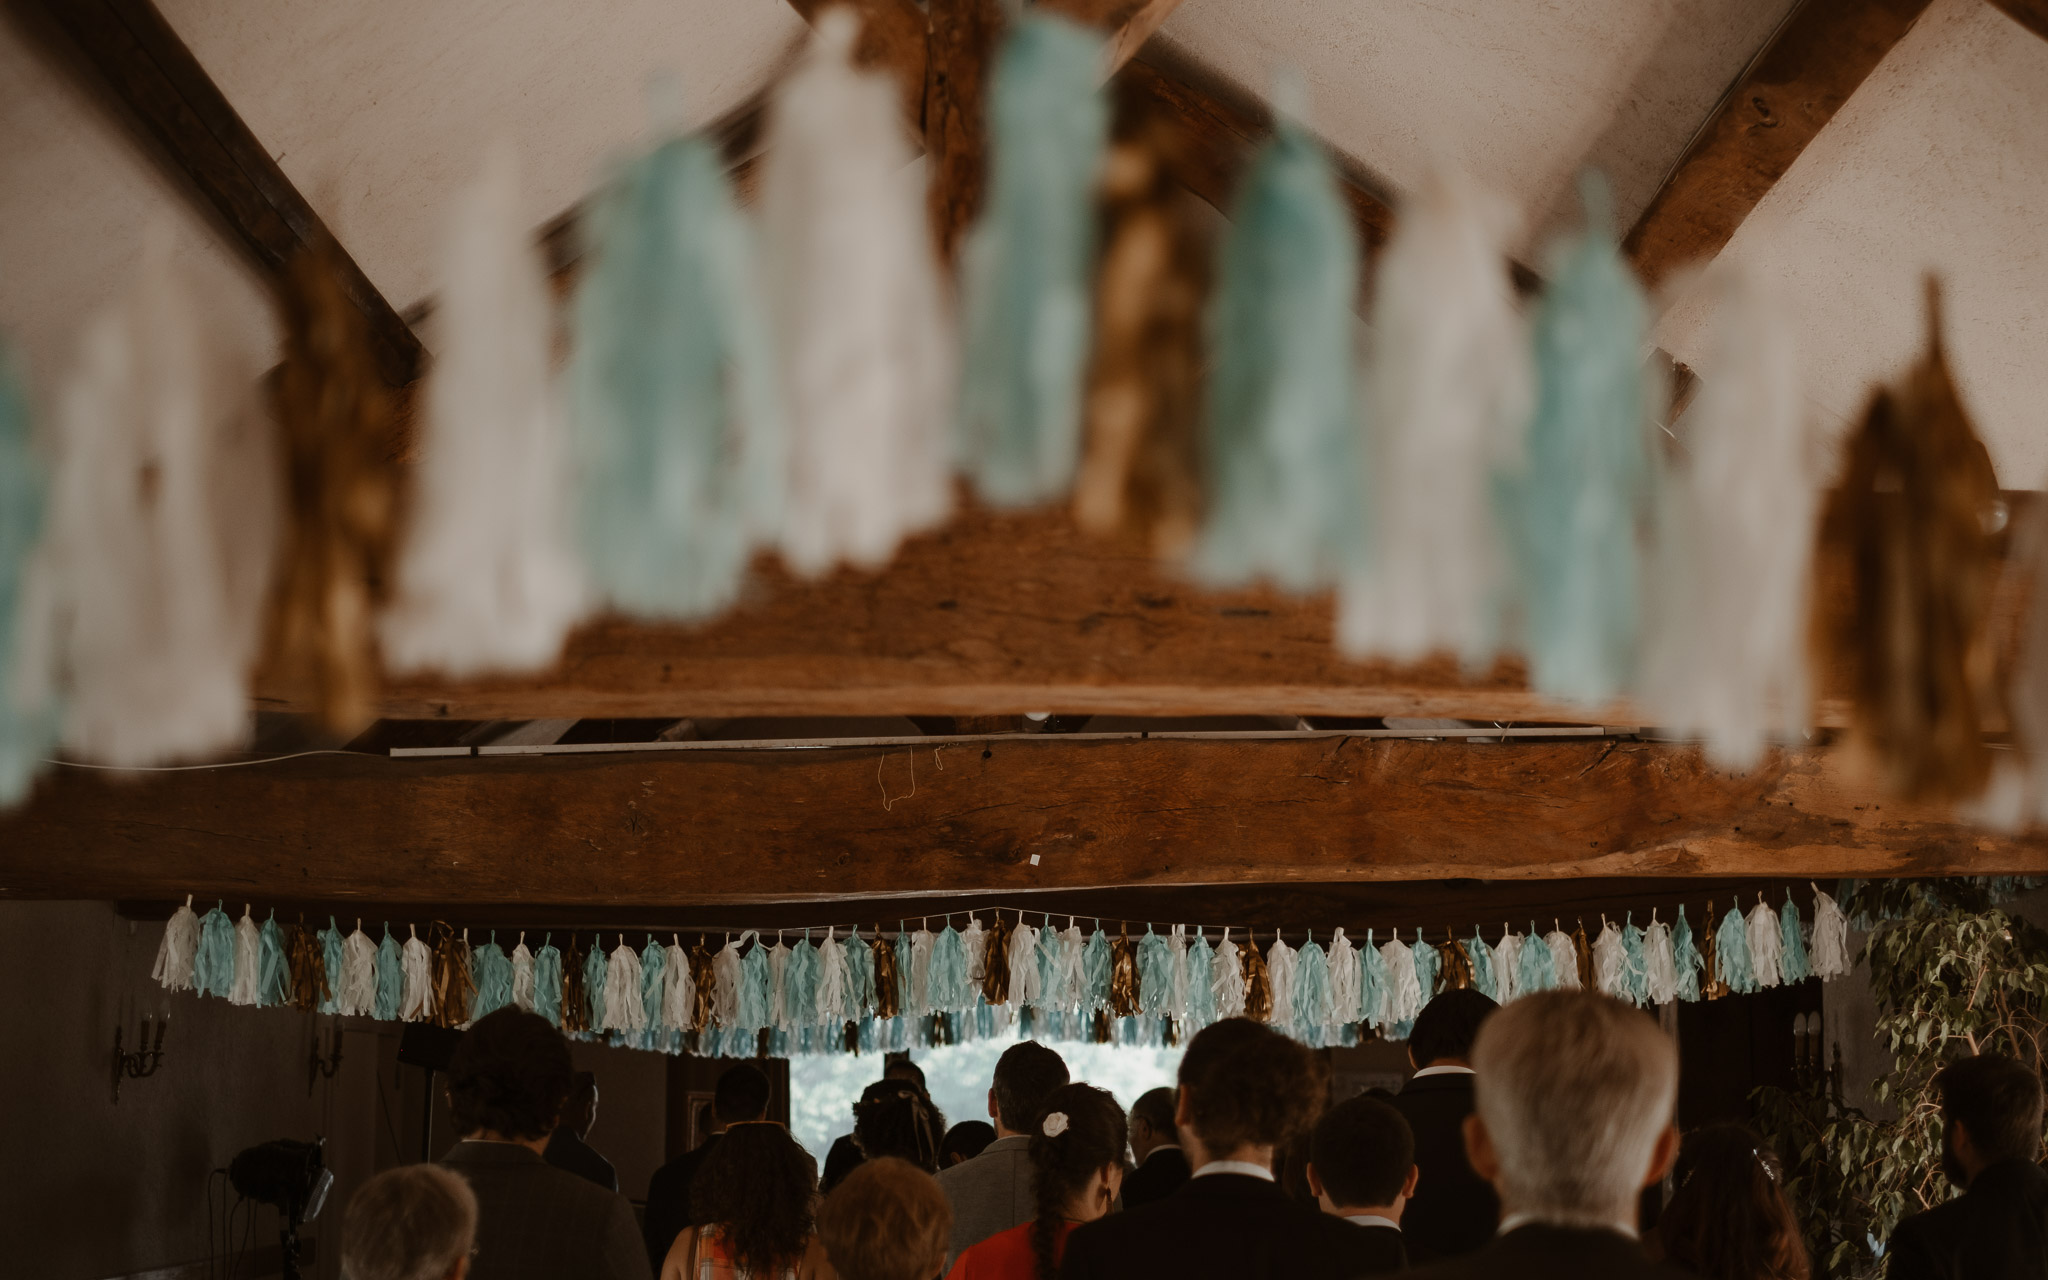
[(2031, 14), (1775, 108), (960, 46), (708, 826), (126, 51)]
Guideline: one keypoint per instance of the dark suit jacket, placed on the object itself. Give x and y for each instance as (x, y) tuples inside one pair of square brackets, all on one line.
[(567, 1151), (1389, 1251), (668, 1201), (1454, 1210), (1538, 1252), (1227, 1224), (1164, 1172), (1999, 1227), (537, 1222), (841, 1160)]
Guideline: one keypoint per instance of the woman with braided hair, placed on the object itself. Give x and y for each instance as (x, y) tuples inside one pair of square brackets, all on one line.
[(1077, 1165), (897, 1118)]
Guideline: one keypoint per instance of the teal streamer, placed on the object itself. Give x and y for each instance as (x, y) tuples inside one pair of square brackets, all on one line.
[(1155, 974), (1372, 982), (1686, 957), (1201, 993), (653, 971), (903, 950), (754, 1005), (331, 960), (1025, 268), (678, 441), (273, 967), (946, 975), (1585, 486), (213, 965), (1311, 995), (1428, 964), (1484, 979), (1731, 952), (1286, 470), (547, 981), (595, 968), (1095, 965), (860, 978), (1635, 967), (1793, 964), (493, 973), (800, 982), (1048, 964), (390, 977), (1534, 968), (27, 733)]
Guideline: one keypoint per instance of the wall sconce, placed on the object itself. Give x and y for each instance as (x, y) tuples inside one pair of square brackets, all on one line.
[(148, 1055), (319, 1068)]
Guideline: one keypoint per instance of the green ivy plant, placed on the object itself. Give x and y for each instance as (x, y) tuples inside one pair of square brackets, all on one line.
[(1952, 975)]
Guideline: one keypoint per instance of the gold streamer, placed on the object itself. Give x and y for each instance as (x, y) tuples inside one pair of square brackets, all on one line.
[(1455, 974), (887, 1003), (452, 982), (995, 971), (1123, 975), (575, 1000), (1711, 986), (705, 977), (1585, 954), (1258, 984), (308, 968)]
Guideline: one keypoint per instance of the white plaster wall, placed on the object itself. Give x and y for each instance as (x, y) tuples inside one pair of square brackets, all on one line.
[(1940, 161)]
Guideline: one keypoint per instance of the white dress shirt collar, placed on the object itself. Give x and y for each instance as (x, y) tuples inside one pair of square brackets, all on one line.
[(1245, 1167), (1164, 1146), (1371, 1220), (1514, 1220), (1445, 1070)]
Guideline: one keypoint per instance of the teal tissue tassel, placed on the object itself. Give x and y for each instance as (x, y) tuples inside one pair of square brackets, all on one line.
[(331, 960), (860, 979), (946, 987), (1793, 966), (903, 950), (547, 981), (1731, 952), (27, 733), (1686, 957), (213, 966), (653, 973), (492, 970), (1025, 269), (1311, 995), (1201, 994), (1585, 485), (1372, 982), (753, 1002), (1286, 472), (1534, 969), (800, 983), (1484, 979), (595, 969), (1428, 964), (273, 967), (1048, 965), (390, 977), (1635, 967), (1155, 974), (678, 442), (1095, 964)]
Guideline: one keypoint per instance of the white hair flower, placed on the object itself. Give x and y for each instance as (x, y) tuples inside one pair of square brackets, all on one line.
[(1055, 1124)]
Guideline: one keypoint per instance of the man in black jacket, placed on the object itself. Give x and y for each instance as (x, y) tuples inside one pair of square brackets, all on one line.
[(570, 1147), (1155, 1145), (1361, 1167), (1454, 1210), (1991, 1148), (741, 1094)]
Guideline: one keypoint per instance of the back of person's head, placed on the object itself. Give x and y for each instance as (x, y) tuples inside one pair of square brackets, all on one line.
[(895, 1118), (905, 1069), (581, 1108), (887, 1221), (1998, 1103), (757, 1186), (1728, 1218), (415, 1222), (1247, 1083), (1575, 1090), (741, 1094), (1362, 1151), (1155, 1108), (1448, 1026), (1077, 1131), (964, 1141), (509, 1075), (1025, 1075)]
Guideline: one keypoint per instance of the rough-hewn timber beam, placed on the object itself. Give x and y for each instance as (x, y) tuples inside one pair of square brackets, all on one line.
[(2031, 14), (1779, 104), (984, 817), (184, 119)]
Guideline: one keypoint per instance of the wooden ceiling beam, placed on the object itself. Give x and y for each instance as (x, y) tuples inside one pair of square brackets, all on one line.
[(2031, 14), (990, 817), (1778, 105), (124, 50)]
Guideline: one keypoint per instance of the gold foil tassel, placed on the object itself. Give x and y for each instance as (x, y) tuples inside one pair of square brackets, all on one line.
[(1258, 984), (887, 1001), (1123, 975)]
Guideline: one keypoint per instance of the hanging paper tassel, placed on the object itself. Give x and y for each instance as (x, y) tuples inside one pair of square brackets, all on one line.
[(1096, 965), (1226, 970), (1404, 983), (1732, 953), (273, 967), (1203, 972), (1830, 938), (493, 971), (867, 366), (573, 1012), (1174, 1007), (988, 959), (1660, 963), (1310, 1001), (1450, 391), (161, 533), (1507, 963), (416, 1000), (1285, 475), (749, 1010), (677, 433), (1258, 982), (1282, 965), (1124, 995), (1153, 981), (1454, 964), (653, 988), (919, 1004), (1428, 965), (947, 990), (486, 579), (1069, 994), (390, 978), (333, 960), (1686, 959), (522, 976), (1792, 962), (1584, 955), (887, 1000), (1765, 943), (1635, 971), (1728, 627), (1610, 962), (213, 964), (306, 958), (1375, 985), (454, 979), (27, 719), (358, 974), (620, 1006), (1025, 972), (1564, 961), (1025, 267), (1588, 466), (800, 984), (1535, 965), (1347, 994), (1479, 958), (678, 988), (704, 981)]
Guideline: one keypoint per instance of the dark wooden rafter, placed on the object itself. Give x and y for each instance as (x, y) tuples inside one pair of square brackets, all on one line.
[(182, 117), (1778, 105), (960, 46), (2031, 14), (990, 817)]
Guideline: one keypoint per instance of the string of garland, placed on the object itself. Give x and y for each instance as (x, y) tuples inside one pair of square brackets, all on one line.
[(871, 990)]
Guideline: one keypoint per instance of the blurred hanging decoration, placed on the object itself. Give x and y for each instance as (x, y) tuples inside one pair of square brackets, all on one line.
[(866, 373), (1586, 479), (147, 599), (1025, 266), (27, 732), (678, 438), (341, 445), (1448, 398), (1138, 472), (1286, 480), (486, 580), (1917, 513), (1727, 618), (2018, 795)]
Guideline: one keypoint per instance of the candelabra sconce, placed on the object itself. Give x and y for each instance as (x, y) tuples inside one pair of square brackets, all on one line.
[(322, 1067), (148, 1054)]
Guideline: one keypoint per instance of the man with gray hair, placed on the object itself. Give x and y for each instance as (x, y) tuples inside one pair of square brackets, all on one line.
[(1574, 1094), (415, 1222)]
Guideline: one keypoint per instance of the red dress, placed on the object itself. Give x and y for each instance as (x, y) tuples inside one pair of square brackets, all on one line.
[(1006, 1255)]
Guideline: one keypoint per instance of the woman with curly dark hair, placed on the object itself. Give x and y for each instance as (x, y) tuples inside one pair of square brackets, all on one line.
[(1077, 1168), (896, 1118), (1729, 1218), (756, 1201)]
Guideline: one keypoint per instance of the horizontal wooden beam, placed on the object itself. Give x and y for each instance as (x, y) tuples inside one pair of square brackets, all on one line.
[(2031, 14), (986, 817)]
